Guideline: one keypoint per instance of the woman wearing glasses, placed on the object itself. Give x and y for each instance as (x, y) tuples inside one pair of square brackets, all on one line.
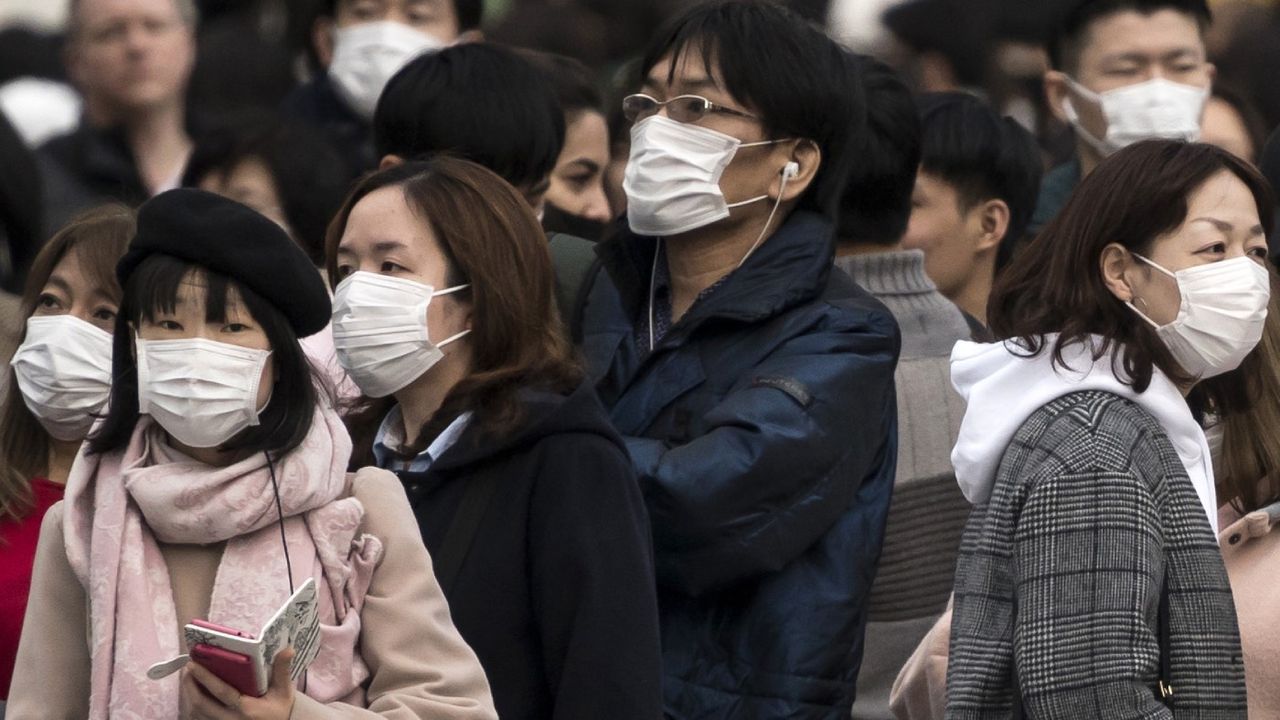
[(443, 315)]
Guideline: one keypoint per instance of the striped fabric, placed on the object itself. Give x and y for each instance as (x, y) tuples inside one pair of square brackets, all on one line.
[(1062, 568)]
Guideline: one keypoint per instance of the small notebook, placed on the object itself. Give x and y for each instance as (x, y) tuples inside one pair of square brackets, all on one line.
[(296, 624)]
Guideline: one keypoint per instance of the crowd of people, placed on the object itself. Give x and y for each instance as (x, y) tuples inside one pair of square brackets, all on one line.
[(751, 377)]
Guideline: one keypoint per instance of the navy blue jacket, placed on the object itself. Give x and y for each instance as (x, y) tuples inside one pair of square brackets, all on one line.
[(763, 430)]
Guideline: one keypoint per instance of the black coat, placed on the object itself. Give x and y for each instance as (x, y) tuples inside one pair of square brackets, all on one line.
[(556, 593)]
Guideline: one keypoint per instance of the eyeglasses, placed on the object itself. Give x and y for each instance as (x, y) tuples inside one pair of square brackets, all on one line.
[(683, 108)]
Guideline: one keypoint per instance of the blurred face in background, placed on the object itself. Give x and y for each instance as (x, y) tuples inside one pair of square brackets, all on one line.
[(130, 56), (577, 183), (435, 18), (1124, 49), (251, 183)]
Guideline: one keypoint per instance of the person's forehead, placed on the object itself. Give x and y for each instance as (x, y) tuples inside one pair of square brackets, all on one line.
[(91, 11), (686, 66), (1130, 32)]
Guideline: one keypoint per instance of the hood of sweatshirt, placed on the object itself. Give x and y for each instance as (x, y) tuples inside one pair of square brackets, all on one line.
[(1003, 387)]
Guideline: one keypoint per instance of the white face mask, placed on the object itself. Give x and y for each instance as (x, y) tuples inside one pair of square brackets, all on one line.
[(672, 179), (380, 331), (202, 392), (1224, 307), (1157, 109), (64, 373), (366, 56)]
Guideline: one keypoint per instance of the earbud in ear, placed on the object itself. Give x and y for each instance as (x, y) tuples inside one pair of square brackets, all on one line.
[(790, 170)]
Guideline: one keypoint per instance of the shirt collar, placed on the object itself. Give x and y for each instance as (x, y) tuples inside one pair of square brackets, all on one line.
[(389, 442)]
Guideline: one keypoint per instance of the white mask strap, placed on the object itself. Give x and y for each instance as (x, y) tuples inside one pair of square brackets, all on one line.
[(1153, 264), (459, 336), (450, 291), (748, 202)]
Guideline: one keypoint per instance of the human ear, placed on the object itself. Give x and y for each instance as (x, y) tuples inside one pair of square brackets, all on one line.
[(322, 40), (1115, 263), (1056, 93), (993, 219), (802, 165)]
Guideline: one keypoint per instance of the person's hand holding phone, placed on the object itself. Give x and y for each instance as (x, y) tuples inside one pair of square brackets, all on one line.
[(207, 697)]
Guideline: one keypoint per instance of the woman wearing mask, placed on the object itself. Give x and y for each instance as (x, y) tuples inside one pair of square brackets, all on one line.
[(1089, 582), (576, 201), (216, 484), (60, 380), (443, 315)]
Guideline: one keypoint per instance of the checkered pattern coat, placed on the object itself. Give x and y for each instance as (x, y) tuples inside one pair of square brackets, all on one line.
[(1062, 571)]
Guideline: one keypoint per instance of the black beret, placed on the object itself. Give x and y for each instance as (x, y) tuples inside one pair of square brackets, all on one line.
[(236, 241)]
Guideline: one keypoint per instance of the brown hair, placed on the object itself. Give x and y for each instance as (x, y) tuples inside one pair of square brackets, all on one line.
[(1055, 284), (100, 236), (493, 243), (1247, 470)]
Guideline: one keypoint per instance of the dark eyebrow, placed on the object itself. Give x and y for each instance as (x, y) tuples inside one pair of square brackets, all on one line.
[(59, 282), (590, 165), (1226, 227)]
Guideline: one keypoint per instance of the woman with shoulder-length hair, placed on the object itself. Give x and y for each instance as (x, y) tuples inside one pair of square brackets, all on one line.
[(444, 316), (1089, 582), (216, 484), (58, 384)]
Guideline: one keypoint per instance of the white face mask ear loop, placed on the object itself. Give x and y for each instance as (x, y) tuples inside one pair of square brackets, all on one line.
[(787, 172), (653, 289)]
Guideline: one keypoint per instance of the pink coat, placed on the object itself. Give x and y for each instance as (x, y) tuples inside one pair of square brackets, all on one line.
[(1251, 549)]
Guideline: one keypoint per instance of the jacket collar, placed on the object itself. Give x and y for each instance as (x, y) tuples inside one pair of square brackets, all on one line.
[(789, 268)]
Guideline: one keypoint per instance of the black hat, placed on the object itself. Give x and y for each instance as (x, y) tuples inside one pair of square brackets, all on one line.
[(233, 240)]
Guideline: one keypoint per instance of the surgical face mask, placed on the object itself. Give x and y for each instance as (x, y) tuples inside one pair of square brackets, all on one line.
[(64, 374), (672, 180), (366, 56), (202, 392), (380, 331), (1224, 307), (1155, 109)]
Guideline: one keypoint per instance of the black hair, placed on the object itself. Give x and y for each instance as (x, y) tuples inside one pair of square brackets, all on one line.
[(470, 12), (476, 101), (983, 156), (877, 204), (153, 288), (783, 69), (310, 176), (574, 85), (961, 31), (1065, 43), (21, 208)]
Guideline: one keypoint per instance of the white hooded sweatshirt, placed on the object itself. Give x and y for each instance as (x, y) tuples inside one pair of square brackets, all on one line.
[(1003, 388)]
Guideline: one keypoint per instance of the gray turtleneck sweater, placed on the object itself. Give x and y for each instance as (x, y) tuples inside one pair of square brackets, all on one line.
[(928, 512)]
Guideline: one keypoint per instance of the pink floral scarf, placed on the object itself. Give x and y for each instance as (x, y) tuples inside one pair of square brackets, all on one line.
[(120, 505)]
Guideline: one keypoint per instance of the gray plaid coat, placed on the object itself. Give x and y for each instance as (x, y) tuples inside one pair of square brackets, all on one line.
[(1062, 570)]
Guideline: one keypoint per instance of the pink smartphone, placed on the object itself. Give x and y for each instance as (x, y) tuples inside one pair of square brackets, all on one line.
[(232, 668)]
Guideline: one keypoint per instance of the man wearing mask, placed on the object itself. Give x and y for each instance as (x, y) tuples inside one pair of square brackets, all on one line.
[(752, 383), (360, 44), (1124, 71), (131, 60)]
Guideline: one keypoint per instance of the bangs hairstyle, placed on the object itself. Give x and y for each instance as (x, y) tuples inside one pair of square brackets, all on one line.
[(1055, 284), (152, 289), (492, 242), (784, 70), (99, 237), (1069, 37)]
